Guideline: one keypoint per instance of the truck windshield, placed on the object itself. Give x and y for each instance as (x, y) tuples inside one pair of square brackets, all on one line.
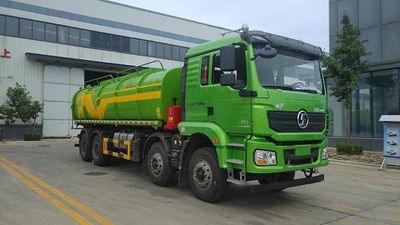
[(290, 71)]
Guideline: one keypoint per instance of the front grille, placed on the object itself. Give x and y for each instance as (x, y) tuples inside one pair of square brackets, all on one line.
[(291, 158), (287, 122)]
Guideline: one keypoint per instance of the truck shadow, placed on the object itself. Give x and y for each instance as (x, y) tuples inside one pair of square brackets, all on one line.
[(235, 193)]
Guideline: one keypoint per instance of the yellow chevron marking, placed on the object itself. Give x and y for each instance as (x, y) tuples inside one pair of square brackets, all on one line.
[(86, 100), (101, 108)]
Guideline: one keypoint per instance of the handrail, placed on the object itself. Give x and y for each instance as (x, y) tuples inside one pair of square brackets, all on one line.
[(97, 79), (136, 67), (125, 70)]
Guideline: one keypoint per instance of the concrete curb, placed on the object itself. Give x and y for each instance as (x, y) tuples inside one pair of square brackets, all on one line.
[(354, 162), (395, 168)]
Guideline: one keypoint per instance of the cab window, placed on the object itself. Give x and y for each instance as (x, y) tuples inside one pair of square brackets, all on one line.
[(240, 68), (204, 71)]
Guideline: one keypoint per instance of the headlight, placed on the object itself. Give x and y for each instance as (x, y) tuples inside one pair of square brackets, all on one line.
[(324, 154), (264, 158)]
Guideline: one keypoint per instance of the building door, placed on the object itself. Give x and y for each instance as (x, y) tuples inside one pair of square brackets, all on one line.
[(59, 86)]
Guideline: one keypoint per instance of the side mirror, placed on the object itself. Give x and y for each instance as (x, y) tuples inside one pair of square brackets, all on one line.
[(228, 79), (227, 59), (268, 52)]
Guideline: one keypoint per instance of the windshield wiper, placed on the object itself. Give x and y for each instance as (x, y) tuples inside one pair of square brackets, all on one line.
[(290, 88), (280, 87), (307, 90)]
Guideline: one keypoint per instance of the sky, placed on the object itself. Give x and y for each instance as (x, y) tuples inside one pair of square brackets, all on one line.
[(306, 20)]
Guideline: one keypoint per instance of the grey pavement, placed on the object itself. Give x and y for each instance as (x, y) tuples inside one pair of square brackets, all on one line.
[(123, 193)]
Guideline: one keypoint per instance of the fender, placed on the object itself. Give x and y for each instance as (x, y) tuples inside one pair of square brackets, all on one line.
[(213, 131), (163, 137)]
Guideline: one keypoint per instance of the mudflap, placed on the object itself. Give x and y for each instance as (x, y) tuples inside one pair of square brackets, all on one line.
[(285, 184)]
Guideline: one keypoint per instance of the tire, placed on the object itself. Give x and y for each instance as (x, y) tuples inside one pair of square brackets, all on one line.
[(158, 167), (84, 147), (206, 179), (99, 159)]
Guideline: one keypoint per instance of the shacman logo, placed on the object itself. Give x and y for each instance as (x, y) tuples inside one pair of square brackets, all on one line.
[(302, 119)]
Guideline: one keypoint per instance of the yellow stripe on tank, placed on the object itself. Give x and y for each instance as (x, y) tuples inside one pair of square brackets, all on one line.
[(130, 89)]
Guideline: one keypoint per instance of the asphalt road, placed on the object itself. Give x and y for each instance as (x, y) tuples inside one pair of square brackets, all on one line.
[(47, 183)]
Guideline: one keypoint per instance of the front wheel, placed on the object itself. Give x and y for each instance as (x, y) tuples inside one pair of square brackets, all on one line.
[(206, 179)]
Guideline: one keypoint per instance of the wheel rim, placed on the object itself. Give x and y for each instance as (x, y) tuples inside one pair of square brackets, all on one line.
[(96, 150), (156, 164), (202, 174)]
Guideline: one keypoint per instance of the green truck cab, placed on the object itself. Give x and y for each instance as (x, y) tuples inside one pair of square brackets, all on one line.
[(249, 106)]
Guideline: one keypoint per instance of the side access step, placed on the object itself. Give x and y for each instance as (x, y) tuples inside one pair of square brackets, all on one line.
[(285, 184)]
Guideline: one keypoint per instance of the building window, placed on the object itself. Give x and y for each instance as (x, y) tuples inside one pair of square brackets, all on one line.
[(85, 38), (385, 96), (115, 43), (125, 44), (38, 31), (142, 47), (134, 46), (12, 26), (167, 51), (62, 34), (159, 50), (106, 41), (204, 71), (361, 108), (51, 32), (182, 53), (25, 28), (29, 29), (175, 53), (151, 48), (2, 24), (95, 40), (74, 36)]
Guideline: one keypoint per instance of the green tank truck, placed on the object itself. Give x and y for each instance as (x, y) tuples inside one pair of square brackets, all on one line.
[(249, 106)]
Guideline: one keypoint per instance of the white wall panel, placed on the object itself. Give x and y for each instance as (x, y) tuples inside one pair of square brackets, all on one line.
[(60, 84), (55, 128), (56, 74), (77, 76), (56, 92), (56, 110), (72, 90)]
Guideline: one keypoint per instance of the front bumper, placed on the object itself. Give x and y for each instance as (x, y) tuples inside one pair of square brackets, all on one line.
[(285, 184), (283, 165)]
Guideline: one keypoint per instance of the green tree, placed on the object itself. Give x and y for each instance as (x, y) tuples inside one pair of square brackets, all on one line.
[(20, 105), (345, 64)]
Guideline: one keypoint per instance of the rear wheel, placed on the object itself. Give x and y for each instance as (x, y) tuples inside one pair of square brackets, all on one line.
[(206, 179), (161, 173), (84, 147), (99, 159)]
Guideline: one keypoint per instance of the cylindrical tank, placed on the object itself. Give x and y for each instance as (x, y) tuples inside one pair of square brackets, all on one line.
[(143, 95)]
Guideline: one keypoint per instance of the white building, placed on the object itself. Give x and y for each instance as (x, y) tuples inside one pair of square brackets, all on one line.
[(53, 47)]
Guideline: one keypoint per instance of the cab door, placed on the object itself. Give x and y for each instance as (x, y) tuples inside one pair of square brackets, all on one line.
[(224, 104)]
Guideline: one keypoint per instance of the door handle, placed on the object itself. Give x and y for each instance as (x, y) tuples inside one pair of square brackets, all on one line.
[(210, 110)]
